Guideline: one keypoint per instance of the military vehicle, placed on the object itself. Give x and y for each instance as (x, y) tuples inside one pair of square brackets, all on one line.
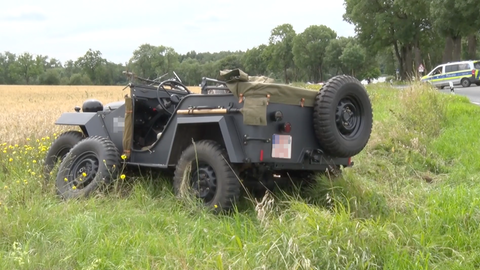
[(236, 133)]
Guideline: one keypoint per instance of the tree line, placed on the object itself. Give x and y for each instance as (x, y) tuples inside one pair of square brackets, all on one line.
[(393, 37), (415, 32)]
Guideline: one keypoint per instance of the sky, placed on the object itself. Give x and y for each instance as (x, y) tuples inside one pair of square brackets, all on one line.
[(66, 30)]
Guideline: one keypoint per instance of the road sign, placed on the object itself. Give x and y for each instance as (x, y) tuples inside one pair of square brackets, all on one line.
[(421, 68)]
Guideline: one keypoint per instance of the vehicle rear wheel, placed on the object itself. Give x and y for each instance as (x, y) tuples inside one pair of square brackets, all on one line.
[(342, 116), (204, 172), (465, 82), (478, 84), (59, 149), (89, 165)]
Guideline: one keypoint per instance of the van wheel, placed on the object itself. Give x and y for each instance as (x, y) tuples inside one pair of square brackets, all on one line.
[(465, 82)]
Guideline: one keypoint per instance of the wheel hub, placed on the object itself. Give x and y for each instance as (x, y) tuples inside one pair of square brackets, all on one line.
[(84, 170), (347, 117), (204, 182)]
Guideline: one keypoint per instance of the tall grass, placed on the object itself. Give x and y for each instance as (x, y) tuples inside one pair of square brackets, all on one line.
[(410, 202)]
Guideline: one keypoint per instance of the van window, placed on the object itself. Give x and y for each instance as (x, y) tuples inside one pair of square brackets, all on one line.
[(436, 71), (452, 68), (476, 65)]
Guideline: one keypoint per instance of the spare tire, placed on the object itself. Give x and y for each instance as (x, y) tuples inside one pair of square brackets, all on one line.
[(342, 116)]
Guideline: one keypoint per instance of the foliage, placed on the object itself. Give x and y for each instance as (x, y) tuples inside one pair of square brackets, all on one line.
[(390, 36), (309, 50)]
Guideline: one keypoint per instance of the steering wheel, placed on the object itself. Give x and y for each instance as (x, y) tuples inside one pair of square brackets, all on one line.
[(174, 84)]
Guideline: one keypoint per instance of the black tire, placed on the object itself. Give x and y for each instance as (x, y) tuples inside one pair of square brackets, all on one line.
[(223, 189), (465, 82), (98, 157), (478, 84), (345, 94), (59, 148)]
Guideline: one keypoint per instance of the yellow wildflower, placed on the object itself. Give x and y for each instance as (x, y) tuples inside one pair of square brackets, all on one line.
[(122, 176), (74, 187), (34, 161), (124, 157), (84, 174), (10, 159)]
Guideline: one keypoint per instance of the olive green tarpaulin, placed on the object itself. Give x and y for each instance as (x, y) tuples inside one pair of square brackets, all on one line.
[(128, 130), (239, 84), (257, 94)]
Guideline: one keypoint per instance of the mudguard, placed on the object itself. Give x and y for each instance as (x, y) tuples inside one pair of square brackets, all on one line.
[(91, 123), (228, 131)]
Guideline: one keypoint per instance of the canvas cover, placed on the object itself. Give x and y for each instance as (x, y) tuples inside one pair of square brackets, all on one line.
[(240, 84), (128, 131), (256, 94)]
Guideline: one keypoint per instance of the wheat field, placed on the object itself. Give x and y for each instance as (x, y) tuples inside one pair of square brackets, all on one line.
[(30, 111)]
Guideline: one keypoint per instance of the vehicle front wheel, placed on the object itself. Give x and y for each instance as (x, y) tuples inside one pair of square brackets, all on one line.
[(90, 164), (204, 172)]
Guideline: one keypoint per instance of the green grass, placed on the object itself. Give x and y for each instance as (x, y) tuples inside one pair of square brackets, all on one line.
[(412, 201)]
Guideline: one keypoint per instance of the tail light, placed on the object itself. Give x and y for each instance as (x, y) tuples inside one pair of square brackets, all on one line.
[(287, 127), (473, 72)]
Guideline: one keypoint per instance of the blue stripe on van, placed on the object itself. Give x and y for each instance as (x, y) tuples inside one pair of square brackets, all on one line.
[(449, 75)]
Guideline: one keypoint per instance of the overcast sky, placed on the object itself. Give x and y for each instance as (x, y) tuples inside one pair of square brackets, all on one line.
[(67, 29)]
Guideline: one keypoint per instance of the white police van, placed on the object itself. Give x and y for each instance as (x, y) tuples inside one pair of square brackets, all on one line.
[(462, 73)]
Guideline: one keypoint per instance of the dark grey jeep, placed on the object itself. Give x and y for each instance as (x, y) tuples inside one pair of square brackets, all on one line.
[(236, 133)]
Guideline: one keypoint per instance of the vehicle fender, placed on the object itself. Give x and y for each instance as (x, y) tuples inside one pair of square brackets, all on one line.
[(91, 123), (226, 126)]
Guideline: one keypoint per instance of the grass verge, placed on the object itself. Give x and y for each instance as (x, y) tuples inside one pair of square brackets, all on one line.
[(410, 202)]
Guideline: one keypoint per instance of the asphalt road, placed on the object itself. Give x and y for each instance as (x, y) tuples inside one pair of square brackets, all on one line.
[(472, 92)]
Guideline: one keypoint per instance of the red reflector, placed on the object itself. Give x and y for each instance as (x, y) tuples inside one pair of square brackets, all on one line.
[(473, 72), (349, 161), (287, 127), (261, 155)]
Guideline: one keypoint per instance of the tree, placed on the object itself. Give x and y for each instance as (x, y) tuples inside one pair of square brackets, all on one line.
[(279, 51), (333, 52), (92, 64), (254, 60), (309, 50), (398, 23), (25, 67), (7, 68), (353, 57), (455, 20)]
